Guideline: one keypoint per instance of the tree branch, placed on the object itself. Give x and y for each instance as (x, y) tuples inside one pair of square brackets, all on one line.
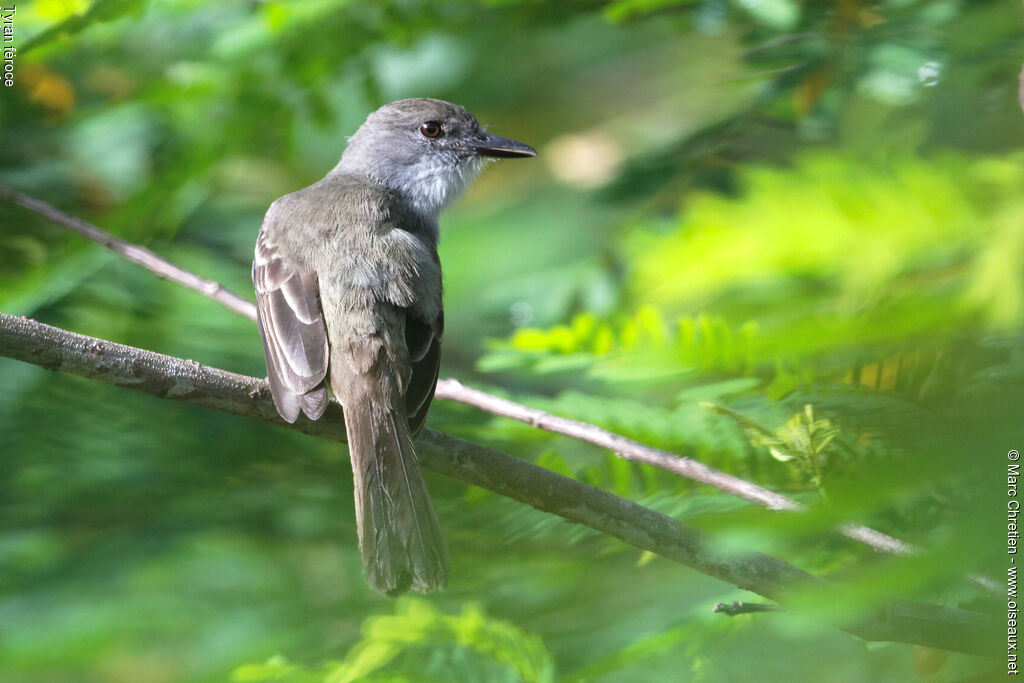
[(632, 450), (626, 448), (190, 382), (158, 265), (734, 608), (452, 390)]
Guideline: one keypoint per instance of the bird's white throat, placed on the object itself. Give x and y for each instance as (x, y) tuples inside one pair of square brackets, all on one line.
[(434, 181)]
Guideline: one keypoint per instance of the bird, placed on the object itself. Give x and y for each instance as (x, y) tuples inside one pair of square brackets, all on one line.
[(349, 298)]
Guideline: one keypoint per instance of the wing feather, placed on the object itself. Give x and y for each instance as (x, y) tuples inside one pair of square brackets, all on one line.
[(293, 332), (424, 344)]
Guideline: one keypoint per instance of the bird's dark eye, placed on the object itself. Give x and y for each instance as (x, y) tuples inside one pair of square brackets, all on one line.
[(431, 129)]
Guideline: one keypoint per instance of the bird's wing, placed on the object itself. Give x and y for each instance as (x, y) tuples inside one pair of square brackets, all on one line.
[(424, 343), (293, 332)]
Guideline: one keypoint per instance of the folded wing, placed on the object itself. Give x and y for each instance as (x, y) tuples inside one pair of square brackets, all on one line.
[(424, 343), (294, 335)]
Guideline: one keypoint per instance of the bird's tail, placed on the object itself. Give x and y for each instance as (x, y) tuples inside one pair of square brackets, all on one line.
[(399, 534)]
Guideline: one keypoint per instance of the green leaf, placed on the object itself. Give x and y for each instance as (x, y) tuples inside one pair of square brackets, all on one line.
[(100, 11)]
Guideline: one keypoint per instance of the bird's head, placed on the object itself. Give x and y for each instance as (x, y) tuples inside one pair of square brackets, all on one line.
[(426, 150)]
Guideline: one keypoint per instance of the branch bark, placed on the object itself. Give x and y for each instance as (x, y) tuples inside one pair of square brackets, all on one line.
[(190, 382)]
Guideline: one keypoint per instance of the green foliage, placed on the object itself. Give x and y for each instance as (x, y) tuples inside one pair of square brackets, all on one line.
[(394, 647), (639, 347), (761, 205), (277, 668), (817, 219), (803, 440), (625, 9), (99, 11)]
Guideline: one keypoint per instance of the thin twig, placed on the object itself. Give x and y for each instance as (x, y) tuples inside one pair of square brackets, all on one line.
[(734, 608), (631, 450), (158, 265), (188, 381)]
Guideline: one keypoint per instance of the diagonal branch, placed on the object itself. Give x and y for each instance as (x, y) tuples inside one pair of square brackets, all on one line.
[(188, 381), (158, 265), (631, 450), (453, 390)]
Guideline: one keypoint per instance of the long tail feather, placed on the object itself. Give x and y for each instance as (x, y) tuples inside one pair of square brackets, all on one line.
[(399, 534)]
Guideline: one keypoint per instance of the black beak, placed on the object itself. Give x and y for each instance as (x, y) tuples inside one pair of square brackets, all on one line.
[(485, 145)]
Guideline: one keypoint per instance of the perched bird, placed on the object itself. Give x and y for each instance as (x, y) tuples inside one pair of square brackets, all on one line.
[(348, 289)]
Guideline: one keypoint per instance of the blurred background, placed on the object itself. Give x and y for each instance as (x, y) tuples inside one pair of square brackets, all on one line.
[(741, 208)]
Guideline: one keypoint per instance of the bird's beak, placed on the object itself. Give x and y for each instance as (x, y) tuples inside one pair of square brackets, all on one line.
[(485, 145)]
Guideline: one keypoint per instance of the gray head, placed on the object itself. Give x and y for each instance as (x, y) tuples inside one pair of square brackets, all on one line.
[(426, 150)]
